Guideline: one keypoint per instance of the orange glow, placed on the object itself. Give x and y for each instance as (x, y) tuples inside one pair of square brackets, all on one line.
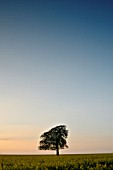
[(12, 146)]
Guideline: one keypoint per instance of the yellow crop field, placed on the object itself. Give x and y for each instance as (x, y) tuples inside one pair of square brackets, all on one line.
[(52, 162)]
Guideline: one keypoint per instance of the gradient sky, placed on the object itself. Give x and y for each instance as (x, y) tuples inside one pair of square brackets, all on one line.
[(56, 67)]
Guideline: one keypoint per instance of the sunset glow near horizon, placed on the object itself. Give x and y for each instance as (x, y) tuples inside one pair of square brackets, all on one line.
[(56, 67)]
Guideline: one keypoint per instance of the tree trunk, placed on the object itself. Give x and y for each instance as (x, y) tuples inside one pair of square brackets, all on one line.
[(57, 151)]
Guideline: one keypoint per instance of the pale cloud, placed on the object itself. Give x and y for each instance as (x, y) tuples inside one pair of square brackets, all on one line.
[(2, 139)]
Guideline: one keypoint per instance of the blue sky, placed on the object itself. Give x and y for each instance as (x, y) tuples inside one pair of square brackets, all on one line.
[(56, 67)]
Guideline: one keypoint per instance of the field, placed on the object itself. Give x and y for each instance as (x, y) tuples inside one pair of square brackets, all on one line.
[(52, 162)]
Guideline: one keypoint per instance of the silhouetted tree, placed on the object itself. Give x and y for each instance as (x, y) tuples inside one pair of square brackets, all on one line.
[(54, 139)]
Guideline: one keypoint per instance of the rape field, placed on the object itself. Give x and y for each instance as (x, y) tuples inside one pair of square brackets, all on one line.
[(52, 162)]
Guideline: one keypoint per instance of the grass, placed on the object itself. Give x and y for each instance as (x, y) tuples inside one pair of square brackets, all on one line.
[(53, 162)]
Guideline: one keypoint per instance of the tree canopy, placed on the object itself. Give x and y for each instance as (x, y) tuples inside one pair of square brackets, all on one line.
[(54, 139)]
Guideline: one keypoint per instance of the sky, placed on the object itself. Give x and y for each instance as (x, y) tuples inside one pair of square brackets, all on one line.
[(56, 68)]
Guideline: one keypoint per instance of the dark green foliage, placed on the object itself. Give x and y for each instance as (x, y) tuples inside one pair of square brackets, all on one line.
[(54, 139)]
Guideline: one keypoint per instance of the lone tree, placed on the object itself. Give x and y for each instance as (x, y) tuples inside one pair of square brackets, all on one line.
[(54, 139)]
